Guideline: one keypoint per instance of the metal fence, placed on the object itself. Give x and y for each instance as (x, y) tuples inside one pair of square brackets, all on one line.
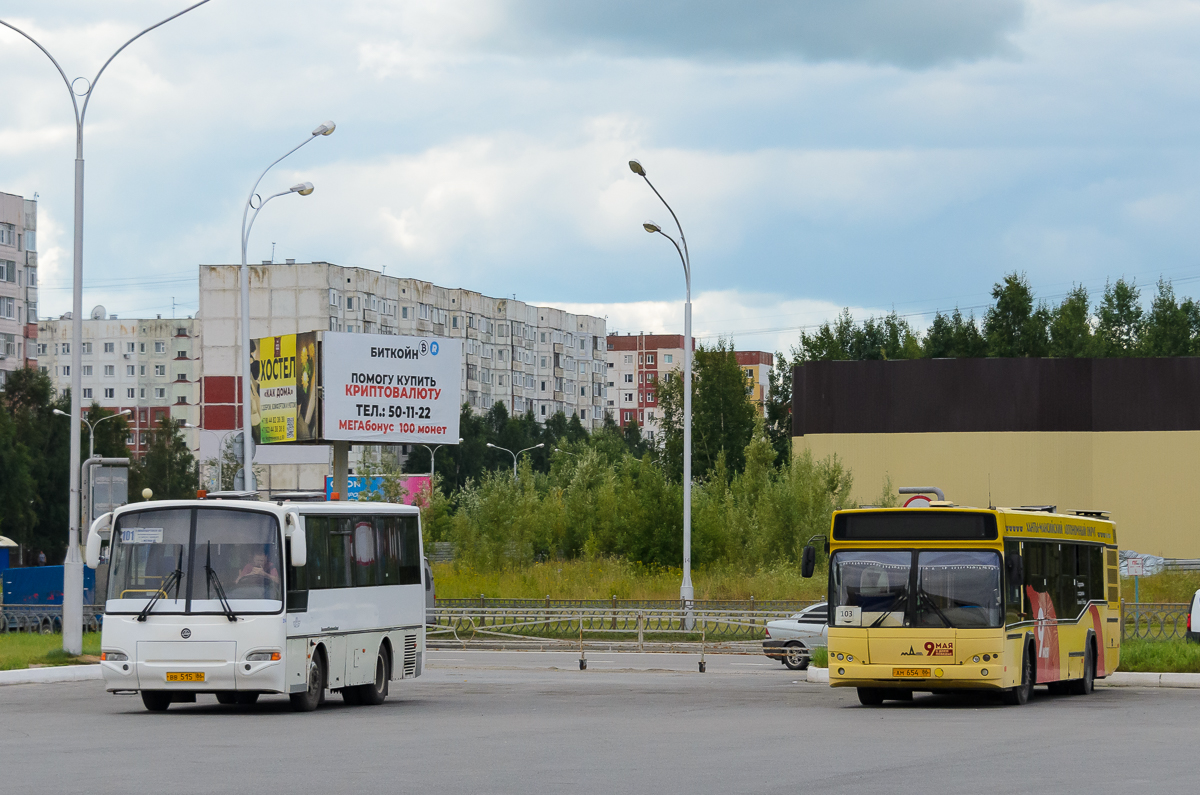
[(46, 618), (1155, 620)]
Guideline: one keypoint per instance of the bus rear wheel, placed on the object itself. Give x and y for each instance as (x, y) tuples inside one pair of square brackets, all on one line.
[(1084, 686), (309, 699), (156, 700), (374, 693)]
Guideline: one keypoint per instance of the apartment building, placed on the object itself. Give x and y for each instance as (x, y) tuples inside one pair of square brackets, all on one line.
[(530, 358), (756, 369), (18, 283), (638, 364), (149, 366)]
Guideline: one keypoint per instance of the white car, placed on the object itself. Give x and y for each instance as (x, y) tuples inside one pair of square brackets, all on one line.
[(790, 639)]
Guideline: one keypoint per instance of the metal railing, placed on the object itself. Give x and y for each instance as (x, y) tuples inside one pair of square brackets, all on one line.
[(46, 619), (1154, 620)]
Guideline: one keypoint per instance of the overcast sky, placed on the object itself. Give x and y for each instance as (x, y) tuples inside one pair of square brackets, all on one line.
[(874, 154)]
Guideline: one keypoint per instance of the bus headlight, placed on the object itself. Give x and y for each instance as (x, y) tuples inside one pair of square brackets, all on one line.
[(113, 656), (262, 656), (984, 672)]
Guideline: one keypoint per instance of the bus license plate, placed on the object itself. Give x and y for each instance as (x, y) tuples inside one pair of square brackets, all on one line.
[(195, 677), (919, 673)]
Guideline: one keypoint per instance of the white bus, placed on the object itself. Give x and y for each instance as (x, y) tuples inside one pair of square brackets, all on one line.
[(240, 598)]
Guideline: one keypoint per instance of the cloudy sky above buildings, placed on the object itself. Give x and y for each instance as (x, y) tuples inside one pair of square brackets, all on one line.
[(872, 154)]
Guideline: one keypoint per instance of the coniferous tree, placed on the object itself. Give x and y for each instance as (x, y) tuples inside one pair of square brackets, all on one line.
[(1119, 320), (1012, 326), (1171, 328), (954, 336)]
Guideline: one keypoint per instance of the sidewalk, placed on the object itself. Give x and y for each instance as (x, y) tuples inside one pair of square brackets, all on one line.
[(58, 673)]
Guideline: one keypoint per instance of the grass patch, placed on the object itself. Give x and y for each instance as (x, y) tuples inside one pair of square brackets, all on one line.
[(604, 578), (819, 657), (1166, 586), (1160, 656), (22, 649)]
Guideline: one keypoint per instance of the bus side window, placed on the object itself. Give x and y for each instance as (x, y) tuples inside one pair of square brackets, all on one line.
[(1012, 589), (387, 533), (297, 582), (341, 552), (1095, 573), (316, 529), (366, 556), (410, 551)]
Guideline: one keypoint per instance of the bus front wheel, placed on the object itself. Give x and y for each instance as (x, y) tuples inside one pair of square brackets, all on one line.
[(156, 700), (1020, 694), (309, 699)]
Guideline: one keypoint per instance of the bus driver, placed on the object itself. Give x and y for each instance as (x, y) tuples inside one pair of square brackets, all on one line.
[(258, 567)]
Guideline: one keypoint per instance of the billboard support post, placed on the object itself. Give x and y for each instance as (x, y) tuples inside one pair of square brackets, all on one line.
[(341, 468)]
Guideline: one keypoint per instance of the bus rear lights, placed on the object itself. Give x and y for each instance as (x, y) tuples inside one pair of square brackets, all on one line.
[(113, 656), (262, 656)]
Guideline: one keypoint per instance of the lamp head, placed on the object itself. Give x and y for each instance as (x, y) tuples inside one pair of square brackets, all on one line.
[(303, 188), (124, 413), (61, 413), (489, 444), (324, 128), (636, 168), (651, 227), (543, 444)]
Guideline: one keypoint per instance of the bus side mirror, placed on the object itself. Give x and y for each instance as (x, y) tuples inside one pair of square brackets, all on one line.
[(1015, 568), (94, 539), (299, 548), (808, 561)]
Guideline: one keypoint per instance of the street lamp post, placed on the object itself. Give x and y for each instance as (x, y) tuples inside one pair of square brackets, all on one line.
[(304, 189), (73, 566), (686, 592), (221, 437), (514, 455), (432, 452)]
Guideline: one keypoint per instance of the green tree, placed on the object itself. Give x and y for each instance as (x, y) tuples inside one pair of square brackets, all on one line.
[(954, 337), (722, 417), (779, 408), (1119, 320), (17, 488), (110, 434), (1171, 328), (1070, 326), (167, 468), (1012, 326)]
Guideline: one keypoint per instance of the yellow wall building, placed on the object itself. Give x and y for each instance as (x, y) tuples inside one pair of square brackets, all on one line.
[(1121, 435)]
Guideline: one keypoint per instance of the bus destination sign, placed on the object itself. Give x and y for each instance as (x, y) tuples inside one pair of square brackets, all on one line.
[(390, 390)]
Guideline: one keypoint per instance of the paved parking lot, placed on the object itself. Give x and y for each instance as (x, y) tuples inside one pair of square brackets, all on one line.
[(504, 722)]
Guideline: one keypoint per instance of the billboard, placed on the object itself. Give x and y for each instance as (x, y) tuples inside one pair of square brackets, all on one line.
[(283, 389), (387, 390), (416, 488)]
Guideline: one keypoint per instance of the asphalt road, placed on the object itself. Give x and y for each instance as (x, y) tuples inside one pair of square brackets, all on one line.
[(511, 722)]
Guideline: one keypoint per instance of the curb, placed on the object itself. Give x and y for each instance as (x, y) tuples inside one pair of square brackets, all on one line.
[(1148, 679), (818, 675), (60, 673)]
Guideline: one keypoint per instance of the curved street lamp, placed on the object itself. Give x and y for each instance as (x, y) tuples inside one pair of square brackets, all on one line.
[(73, 566), (303, 189), (514, 455), (686, 591)]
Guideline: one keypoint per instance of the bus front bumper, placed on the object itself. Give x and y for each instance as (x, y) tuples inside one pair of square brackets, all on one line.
[(915, 677)]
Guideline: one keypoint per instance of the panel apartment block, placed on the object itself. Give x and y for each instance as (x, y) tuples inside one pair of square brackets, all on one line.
[(149, 366), (18, 284)]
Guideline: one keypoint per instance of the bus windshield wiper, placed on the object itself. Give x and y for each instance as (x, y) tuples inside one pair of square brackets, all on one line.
[(890, 609), (215, 581), (173, 578), (923, 594)]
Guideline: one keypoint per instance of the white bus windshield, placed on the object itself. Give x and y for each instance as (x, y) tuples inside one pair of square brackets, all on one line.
[(215, 549)]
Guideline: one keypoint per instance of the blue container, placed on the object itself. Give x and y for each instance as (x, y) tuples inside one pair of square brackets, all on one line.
[(42, 585), (3, 558)]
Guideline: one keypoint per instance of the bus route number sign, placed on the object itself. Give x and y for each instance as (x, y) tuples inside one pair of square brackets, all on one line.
[(848, 616)]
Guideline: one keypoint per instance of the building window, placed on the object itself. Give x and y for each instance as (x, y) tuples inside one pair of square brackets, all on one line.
[(87, 347), (543, 388), (66, 348), (628, 416), (159, 347), (454, 322), (41, 349), (110, 393), (142, 393), (129, 370), (649, 358), (110, 369), (87, 369), (66, 370), (543, 405), (181, 377), (160, 393), (668, 358), (650, 396), (141, 369), (181, 354), (142, 347), (582, 412), (349, 302), (629, 378), (129, 393), (160, 369), (87, 393), (628, 397), (641, 378), (181, 401), (404, 312), (130, 347)]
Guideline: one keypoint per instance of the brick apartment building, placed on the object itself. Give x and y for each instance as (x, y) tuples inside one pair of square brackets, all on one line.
[(18, 283)]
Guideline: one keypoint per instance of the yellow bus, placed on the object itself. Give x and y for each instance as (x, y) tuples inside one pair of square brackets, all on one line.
[(944, 597)]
